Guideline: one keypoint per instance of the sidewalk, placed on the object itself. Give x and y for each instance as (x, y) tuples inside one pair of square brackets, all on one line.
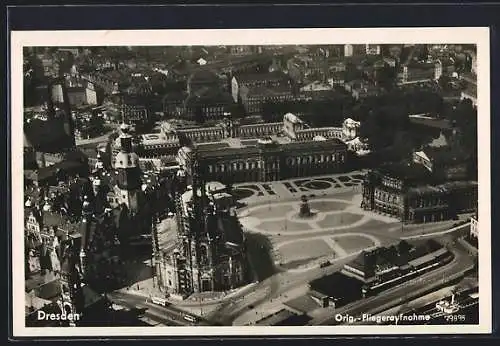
[(146, 289), (270, 307)]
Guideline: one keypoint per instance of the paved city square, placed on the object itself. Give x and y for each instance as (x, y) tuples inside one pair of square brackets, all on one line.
[(337, 228)]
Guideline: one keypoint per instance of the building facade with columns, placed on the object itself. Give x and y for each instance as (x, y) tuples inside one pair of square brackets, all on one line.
[(410, 194), (265, 159), (266, 152)]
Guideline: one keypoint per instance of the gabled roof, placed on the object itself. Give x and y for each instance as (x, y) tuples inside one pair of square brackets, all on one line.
[(250, 77)]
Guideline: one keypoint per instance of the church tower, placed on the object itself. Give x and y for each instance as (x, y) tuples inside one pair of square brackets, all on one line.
[(129, 173), (71, 300), (57, 93), (29, 155), (86, 233)]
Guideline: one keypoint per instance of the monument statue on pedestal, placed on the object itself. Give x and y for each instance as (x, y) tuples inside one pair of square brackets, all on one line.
[(305, 210)]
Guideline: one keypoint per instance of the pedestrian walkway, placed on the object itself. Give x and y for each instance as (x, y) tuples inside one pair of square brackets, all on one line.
[(147, 289), (335, 246), (270, 307)]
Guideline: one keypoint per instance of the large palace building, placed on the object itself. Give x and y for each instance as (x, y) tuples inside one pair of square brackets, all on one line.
[(233, 152), (265, 152)]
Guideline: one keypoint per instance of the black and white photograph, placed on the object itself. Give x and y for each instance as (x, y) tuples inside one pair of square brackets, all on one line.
[(251, 182)]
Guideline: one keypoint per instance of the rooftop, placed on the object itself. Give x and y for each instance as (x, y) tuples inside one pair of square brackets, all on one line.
[(293, 118), (175, 96), (303, 304), (204, 75), (425, 189), (444, 154), (338, 285), (48, 172), (157, 139), (231, 229), (209, 95), (167, 234), (251, 77), (397, 255), (471, 90), (47, 135), (405, 171), (33, 303), (36, 280), (440, 141), (425, 120), (230, 146), (268, 91), (32, 316)]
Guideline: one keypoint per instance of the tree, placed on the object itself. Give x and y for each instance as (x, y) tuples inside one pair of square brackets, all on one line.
[(386, 77), (444, 82), (352, 72)]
